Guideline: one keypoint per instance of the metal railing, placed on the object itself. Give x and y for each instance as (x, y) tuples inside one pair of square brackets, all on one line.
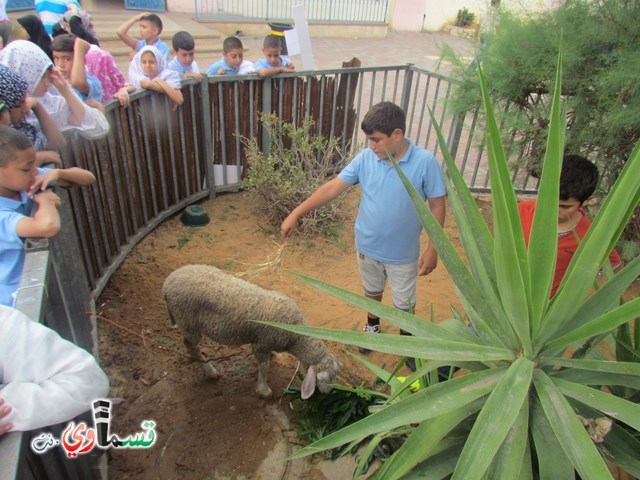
[(351, 11), (156, 160)]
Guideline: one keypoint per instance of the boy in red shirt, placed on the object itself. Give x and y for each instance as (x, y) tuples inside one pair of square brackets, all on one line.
[(578, 180)]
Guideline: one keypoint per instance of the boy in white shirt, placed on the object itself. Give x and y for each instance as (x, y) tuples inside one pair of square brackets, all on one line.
[(44, 379)]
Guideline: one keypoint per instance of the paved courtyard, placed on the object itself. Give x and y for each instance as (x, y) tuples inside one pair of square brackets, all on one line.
[(398, 48)]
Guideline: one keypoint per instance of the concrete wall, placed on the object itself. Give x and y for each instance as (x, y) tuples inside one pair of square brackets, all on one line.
[(418, 15), (440, 13), (181, 6), (407, 15)]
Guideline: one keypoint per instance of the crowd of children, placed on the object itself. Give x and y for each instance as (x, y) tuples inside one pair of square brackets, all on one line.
[(68, 38), (54, 76)]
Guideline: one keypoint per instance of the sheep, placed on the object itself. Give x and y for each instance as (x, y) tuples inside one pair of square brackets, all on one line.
[(203, 300)]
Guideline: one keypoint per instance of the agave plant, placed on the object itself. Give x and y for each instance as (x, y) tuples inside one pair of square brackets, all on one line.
[(515, 409)]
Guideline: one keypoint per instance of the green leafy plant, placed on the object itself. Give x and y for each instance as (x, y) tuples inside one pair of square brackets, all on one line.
[(515, 410), (465, 18), (323, 414), (299, 161)]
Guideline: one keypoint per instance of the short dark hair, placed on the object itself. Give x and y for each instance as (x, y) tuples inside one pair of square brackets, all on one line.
[(155, 20), (384, 117), (578, 178), (63, 43), (183, 40), (231, 43), (12, 141), (271, 41)]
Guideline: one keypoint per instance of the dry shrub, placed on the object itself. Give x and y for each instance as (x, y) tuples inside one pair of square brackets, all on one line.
[(299, 161)]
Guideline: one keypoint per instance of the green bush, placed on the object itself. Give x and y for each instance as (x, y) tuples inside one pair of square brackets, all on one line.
[(465, 18), (299, 161)]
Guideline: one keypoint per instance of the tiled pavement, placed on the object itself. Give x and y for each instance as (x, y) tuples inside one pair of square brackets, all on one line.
[(398, 48)]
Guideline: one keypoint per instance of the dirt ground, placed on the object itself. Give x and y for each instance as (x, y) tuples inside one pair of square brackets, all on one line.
[(221, 430)]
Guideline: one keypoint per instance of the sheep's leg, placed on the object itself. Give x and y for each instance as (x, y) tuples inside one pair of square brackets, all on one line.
[(263, 358), (191, 344)]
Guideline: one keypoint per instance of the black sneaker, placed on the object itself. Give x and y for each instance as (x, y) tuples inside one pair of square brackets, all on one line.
[(411, 363), (369, 329)]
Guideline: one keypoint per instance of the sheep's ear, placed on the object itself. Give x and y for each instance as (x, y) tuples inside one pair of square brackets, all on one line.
[(309, 383)]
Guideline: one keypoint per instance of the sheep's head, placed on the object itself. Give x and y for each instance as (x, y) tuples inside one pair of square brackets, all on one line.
[(323, 374)]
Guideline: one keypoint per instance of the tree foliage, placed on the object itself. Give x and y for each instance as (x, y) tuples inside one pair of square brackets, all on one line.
[(602, 66)]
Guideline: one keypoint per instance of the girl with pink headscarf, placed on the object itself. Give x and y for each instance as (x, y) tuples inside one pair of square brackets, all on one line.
[(101, 65)]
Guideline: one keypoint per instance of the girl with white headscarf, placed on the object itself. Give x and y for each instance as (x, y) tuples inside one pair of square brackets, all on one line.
[(148, 70), (61, 103)]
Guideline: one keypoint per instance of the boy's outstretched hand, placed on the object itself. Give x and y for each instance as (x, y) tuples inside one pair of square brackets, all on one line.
[(287, 228)]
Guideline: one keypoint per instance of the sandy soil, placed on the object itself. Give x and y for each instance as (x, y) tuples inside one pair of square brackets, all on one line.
[(220, 430)]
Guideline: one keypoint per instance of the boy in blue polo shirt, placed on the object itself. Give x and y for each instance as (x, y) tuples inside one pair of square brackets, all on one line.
[(68, 56), (387, 230), (184, 62), (232, 61), (273, 63), (150, 29), (21, 184)]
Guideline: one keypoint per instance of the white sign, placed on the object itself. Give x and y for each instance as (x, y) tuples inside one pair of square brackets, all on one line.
[(304, 40), (291, 39)]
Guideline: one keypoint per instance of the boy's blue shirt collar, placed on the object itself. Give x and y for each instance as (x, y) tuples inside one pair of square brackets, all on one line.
[(405, 158), (228, 67), (14, 204)]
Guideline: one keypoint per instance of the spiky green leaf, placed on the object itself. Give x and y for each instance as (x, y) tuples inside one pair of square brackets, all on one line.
[(508, 462), (424, 440), (623, 368), (496, 418), (605, 323), (590, 377), (399, 318), (553, 463), (543, 243), (571, 434), (615, 407), (406, 346), (592, 251), (512, 269), (606, 297)]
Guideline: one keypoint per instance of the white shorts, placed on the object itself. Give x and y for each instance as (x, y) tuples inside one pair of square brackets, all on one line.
[(402, 280)]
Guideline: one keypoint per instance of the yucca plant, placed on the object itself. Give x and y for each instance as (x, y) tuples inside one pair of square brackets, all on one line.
[(514, 411)]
